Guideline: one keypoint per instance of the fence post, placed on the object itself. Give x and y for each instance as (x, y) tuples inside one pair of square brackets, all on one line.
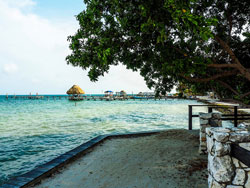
[(235, 116), (210, 109), (190, 117)]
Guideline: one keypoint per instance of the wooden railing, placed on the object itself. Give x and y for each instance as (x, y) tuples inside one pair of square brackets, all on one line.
[(235, 116), (241, 154)]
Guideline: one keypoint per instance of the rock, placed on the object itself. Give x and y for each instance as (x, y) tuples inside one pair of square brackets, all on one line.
[(214, 184), (243, 131), (205, 115), (240, 177), (221, 136), (245, 126), (216, 115), (217, 185), (226, 171), (218, 122), (247, 185), (209, 131), (221, 149), (214, 123), (203, 139), (210, 181), (223, 130), (202, 150), (241, 125), (239, 137), (236, 129), (209, 161), (203, 121), (210, 144), (204, 144), (242, 165), (235, 162), (203, 128), (221, 168), (202, 135)]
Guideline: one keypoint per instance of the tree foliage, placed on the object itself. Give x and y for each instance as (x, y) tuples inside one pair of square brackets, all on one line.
[(205, 44)]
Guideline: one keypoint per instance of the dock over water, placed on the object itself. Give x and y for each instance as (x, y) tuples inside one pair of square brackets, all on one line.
[(87, 97)]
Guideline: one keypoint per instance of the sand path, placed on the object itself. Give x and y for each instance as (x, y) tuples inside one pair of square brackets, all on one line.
[(166, 160)]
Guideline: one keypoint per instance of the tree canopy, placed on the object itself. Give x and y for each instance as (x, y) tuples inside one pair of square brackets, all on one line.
[(204, 44)]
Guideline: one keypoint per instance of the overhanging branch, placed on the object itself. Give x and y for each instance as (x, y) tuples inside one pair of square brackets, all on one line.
[(223, 65), (244, 95), (240, 67), (214, 77), (228, 86)]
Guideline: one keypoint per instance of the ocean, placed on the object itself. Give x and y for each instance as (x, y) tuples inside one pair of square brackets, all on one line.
[(33, 132)]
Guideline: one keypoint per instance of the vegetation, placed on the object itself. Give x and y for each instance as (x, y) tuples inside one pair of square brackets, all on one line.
[(203, 44)]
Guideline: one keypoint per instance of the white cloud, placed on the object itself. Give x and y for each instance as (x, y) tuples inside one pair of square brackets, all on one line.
[(10, 68), (34, 50), (20, 3)]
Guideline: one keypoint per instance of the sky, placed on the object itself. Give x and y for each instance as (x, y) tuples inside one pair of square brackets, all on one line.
[(33, 48)]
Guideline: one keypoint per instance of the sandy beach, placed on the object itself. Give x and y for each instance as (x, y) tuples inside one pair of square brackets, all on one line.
[(169, 159)]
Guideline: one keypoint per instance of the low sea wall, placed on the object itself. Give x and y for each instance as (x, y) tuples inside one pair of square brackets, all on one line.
[(224, 170), (207, 120)]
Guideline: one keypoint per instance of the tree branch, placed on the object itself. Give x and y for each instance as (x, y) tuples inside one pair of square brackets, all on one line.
[(214, 77), (228, 86), (241, 68), (216, 92), (180, 51), (244, 95), (223, 65)]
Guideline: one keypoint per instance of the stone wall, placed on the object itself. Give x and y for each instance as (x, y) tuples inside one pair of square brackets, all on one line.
[(224, 170), (207, 120)]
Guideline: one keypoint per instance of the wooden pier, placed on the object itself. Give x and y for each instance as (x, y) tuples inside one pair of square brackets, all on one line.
[(88, 98)]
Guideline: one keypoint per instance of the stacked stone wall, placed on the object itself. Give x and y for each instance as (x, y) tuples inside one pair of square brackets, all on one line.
[(224, 170), (207, 120)]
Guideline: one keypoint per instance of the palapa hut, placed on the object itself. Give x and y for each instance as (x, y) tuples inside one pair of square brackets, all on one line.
[(75, 93)]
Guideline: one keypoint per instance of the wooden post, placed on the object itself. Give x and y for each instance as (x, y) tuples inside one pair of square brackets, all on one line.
[(235, 116), (210, 109), (190, 117)]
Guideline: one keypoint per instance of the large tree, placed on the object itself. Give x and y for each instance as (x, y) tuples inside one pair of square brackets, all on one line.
[(203, 43)]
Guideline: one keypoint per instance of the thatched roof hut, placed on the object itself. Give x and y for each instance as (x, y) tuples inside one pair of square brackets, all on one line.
[(75, 90)]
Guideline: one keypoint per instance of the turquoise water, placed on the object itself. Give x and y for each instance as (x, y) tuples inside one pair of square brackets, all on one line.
[(33, 132)]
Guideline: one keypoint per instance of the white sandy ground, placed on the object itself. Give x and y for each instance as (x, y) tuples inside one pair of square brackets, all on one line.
[(166, 160)]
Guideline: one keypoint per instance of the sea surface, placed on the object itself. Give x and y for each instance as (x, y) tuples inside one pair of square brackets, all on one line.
[(33, 132)]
